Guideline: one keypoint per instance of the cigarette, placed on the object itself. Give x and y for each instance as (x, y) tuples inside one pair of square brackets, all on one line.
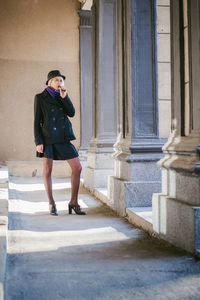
[(62, 89)]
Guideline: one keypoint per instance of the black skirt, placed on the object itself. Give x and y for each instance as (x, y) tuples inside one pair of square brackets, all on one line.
[(63, 151)]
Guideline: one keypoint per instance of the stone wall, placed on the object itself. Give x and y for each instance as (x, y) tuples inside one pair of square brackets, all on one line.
[(36, 37)]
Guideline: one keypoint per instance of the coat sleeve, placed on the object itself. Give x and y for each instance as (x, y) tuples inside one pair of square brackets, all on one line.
[(68, 106), (37, 121)]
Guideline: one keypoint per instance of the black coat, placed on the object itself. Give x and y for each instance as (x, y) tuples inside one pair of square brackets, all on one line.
[(51, 124)]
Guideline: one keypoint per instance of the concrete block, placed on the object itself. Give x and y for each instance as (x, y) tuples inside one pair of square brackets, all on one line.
[(163, 46), (163, 2), (159, 213), (88, 179), (117, 195), (96, 178), (83, 161), (3, 176), (165, 182), (122, 169), (101, 194), (164, 118), (141, 217), (156, 212), (164, 81), (144, 171), (140, 193), (3, 211), (35, 168), (100, 159), (184, 187), (174, 221), (163, 19)]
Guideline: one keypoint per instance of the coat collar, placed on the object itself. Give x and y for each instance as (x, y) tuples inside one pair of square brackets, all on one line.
[(47, 97)]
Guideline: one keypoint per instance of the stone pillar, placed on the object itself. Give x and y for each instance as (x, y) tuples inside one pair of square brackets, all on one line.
[(176, 211), (136, 174), (99, 161), (85, 30)]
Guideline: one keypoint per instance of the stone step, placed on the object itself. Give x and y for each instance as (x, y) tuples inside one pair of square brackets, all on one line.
[(3, 176), (141, 217)]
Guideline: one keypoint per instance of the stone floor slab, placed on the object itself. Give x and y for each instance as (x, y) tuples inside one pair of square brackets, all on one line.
[(97, 256)]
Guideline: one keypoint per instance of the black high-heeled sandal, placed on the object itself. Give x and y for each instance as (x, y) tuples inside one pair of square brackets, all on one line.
[(53, 210), (76, 209)]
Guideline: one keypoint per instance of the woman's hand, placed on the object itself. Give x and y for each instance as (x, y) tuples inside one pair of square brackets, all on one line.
[(39, 148), (63, 92)]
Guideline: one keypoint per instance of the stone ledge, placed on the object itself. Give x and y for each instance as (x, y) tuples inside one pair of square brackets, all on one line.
[(101, 194), (35, 168), (3, 176), (141, 217)]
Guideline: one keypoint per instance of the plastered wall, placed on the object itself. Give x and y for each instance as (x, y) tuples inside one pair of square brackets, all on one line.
[(36, 36)]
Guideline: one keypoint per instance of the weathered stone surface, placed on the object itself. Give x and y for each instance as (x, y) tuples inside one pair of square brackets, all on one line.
[(140, 193), (165, 118), (164, 81), (163, 45), (35, 168), (163, 2), (163, 19), (144, 172), (93, 257), (169, 220), (96, 177)]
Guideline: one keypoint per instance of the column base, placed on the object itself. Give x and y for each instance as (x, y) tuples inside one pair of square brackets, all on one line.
[(123, 194), (99, 167), (177, 222), (83, 160), (117, 195), (96, 178), (137, 177)]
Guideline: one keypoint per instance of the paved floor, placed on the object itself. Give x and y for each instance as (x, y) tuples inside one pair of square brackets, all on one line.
[(98, 256)]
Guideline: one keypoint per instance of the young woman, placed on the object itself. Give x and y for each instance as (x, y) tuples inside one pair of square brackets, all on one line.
[(53, 133)]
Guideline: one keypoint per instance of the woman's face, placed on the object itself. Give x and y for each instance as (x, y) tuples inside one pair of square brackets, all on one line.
[(56, 82)]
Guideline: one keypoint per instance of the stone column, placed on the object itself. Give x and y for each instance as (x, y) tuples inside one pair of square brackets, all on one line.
[(85, 31), (99, 160), (136, 174), (176, 211)]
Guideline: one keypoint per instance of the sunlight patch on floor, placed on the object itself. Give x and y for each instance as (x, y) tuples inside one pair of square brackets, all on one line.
[(29, 207), (38, 186), (33, 241)]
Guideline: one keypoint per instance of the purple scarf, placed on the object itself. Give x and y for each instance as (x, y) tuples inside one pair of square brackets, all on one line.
[(52, 92)]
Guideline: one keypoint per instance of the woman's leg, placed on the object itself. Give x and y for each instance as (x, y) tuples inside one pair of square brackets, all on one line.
[(48, 165), (75, 178)]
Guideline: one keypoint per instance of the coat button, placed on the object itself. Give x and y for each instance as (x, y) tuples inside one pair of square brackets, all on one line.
[(54, 128), (54, 118), (52, 109)]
